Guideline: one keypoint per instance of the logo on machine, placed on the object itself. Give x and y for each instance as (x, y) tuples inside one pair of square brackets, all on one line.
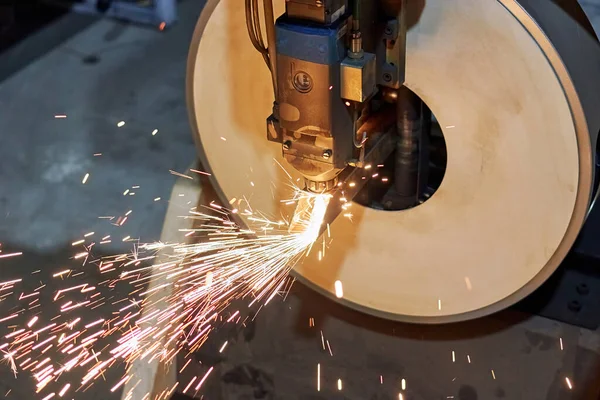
[(303, 82)]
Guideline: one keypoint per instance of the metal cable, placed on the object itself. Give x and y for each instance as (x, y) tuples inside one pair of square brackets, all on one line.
[(254, 31)]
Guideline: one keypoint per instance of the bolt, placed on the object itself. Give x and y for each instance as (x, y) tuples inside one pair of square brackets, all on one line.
[(327, 154), (574, 306), (387, 77), (388, 30), (287, 144), (583, 289)]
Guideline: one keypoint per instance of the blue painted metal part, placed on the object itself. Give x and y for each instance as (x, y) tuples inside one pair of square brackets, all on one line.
[(311, 43)]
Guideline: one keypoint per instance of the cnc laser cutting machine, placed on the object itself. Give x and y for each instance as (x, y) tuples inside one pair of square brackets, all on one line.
[(464, 132)]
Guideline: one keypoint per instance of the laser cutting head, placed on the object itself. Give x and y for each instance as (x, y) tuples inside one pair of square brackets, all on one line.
[(324, 80)]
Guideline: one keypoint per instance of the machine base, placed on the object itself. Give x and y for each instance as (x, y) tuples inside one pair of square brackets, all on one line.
[(572, 294)]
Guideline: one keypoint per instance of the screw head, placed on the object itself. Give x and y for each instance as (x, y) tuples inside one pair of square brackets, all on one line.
[(388, 30), (287, 144), (327, 154), (583, 289), (574, 306), (387, 77)]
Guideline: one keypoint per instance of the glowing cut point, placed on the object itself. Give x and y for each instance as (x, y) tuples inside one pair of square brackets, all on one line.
[(309, 216)]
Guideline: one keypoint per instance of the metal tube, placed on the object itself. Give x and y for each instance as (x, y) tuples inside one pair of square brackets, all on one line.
[(271, 42), (408, 149), (356, 15)]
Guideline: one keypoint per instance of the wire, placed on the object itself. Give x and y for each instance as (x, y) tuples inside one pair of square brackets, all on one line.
[(254, 30)]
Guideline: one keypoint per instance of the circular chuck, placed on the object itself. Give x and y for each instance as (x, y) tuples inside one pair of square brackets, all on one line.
[(513, 87)]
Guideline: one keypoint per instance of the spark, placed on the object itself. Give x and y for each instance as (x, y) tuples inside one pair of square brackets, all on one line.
[(223, 139), (189, 385), (339, 290), (223, 347), (384, 179), (186, 364), (339, 384), (121, 124), (469, 358), (381, 379), (60, 116), (61, 273), (569, 384), (493, 374), (10, 255), (82, 241), (453, 356), (400, 397), (199, 172), (85, 178), (204, 378), (97, 154), (561, 343), (329, 348), (318, 377), (191, 294), (64, 390), (403, 384), (450, 127), (468, 283), (154, 132), (157, 199), (120, 383), (180, 174), (439, 304)]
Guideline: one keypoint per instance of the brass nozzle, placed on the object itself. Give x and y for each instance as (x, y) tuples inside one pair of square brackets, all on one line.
[(320, 186)]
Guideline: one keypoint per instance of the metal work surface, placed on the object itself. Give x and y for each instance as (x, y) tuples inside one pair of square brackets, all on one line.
[(507, 356)]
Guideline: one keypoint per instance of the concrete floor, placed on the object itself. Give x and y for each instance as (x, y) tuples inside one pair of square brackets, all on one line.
[(111, 72)]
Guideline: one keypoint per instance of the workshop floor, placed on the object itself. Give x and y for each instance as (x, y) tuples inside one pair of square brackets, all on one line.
[(111, 72)]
